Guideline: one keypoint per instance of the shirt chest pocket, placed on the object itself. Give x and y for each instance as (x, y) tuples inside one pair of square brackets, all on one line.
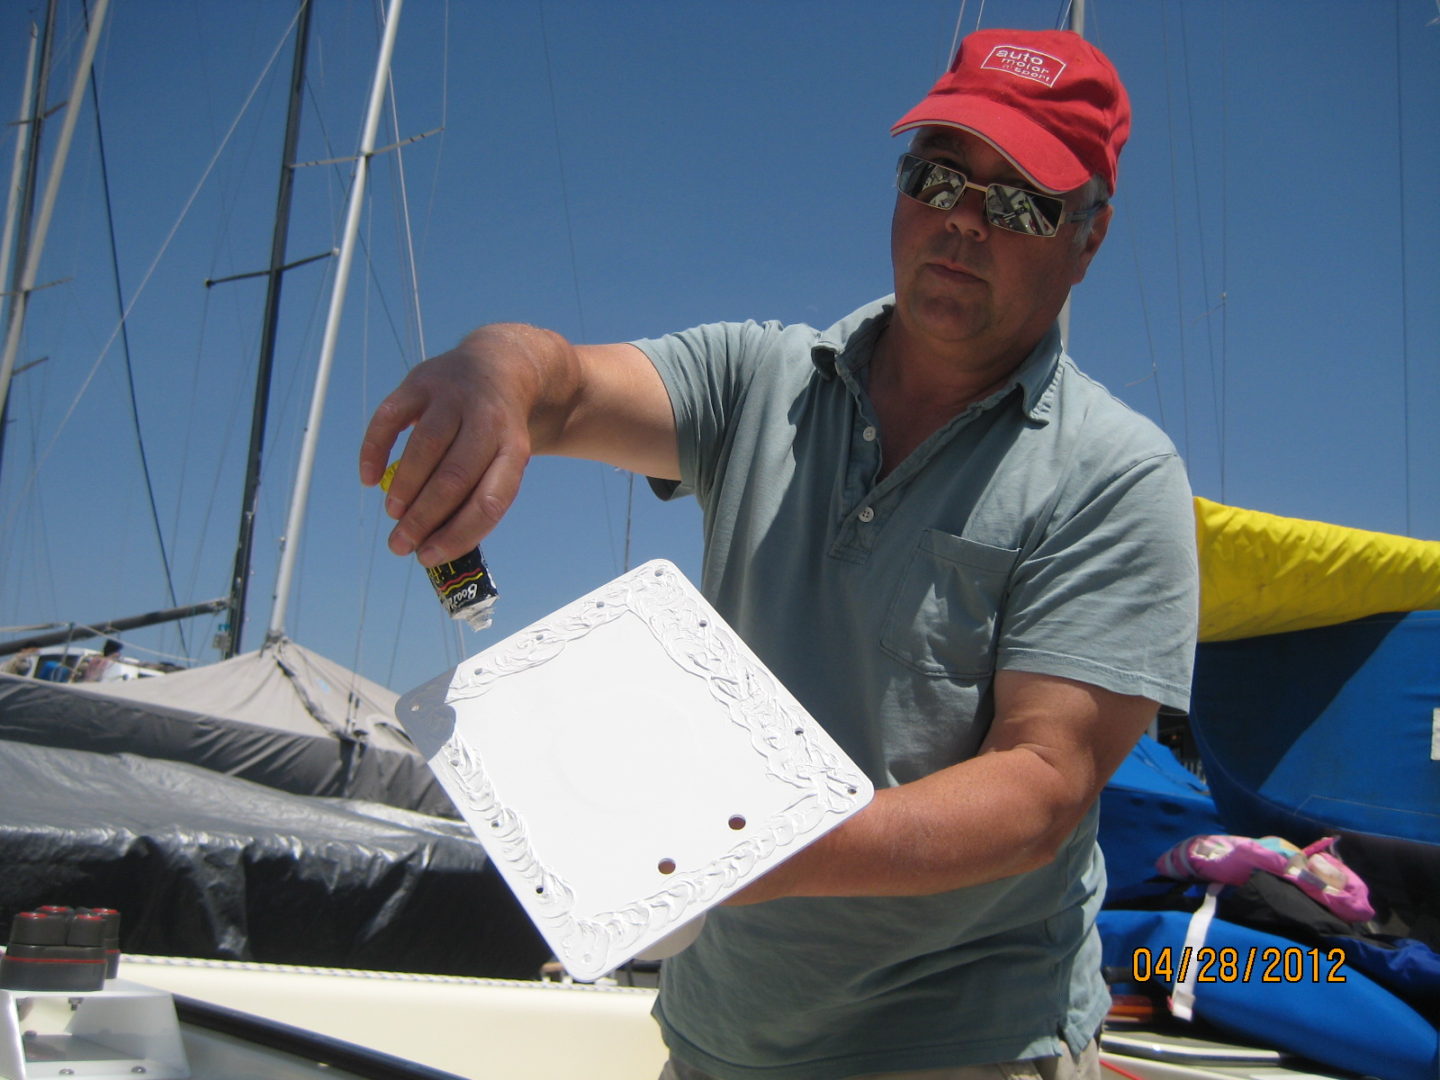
[(945, 611)]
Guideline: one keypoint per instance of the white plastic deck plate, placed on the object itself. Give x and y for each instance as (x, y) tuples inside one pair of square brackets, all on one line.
[(629, 763)]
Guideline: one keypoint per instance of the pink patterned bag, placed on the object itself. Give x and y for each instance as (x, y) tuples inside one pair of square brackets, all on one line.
[(1231, 859)]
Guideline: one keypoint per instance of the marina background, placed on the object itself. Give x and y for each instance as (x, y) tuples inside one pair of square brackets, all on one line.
[(615, 171)]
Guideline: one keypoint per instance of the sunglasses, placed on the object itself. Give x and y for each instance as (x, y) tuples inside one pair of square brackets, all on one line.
[(1016, 209)]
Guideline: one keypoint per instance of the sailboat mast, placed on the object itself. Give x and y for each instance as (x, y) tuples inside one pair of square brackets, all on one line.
[(21, 177), (30, 268), (290, 542), (240, 577), (20, 199)]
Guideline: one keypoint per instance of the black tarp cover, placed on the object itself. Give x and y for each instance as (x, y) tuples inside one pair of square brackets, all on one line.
[(282, 716), (206, 865)]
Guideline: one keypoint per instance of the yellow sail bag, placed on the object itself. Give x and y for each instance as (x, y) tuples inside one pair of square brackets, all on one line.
[(1265, 574)]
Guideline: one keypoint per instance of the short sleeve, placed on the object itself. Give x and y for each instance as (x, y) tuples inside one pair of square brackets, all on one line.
[(1110, 594), (707, 371)]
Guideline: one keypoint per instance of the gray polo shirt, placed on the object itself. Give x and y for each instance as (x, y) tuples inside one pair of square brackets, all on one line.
[(1048, 529)]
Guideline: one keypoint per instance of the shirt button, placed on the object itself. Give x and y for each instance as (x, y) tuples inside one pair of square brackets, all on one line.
[(867, 515), (868, 434)]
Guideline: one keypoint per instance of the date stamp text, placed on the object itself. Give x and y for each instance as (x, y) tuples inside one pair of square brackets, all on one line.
[(1292, 964)]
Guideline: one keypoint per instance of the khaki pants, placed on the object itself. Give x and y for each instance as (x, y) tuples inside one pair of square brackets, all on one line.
[(1063, 1067)]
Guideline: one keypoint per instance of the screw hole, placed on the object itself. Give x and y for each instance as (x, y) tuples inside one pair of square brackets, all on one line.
[(737, 821), (667, 866)]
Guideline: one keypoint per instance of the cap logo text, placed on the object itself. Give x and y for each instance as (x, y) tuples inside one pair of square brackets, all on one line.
[(1026, 63)]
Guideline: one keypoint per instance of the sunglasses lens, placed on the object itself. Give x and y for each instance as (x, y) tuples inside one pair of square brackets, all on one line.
[(934, 185), (1023, 211), (1006, 207)]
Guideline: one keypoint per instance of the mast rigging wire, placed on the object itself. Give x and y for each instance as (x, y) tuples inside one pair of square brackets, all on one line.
[(335, 161), (225, 440), (1404, 262), (1200, 223), (125, 336), (403, 210), (564, 187), (954, 38), (1223, 396), (575, 284), (1154, 375), (150, 271), (1175, 246)]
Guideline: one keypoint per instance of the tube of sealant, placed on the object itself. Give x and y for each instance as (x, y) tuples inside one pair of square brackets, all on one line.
[(465, 587)]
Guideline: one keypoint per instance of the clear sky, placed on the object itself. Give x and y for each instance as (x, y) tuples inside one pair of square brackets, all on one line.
[(615, 169)]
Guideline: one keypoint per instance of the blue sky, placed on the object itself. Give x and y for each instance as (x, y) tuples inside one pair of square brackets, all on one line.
[(619, 169)]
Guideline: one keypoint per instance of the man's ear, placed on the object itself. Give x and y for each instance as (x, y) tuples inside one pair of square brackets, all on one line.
[(1093, 240)]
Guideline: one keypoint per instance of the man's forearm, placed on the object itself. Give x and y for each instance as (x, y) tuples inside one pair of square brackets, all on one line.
[(1010, 809), (981, 820)]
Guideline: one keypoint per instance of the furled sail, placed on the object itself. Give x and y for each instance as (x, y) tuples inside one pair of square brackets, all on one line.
[(1265, 574)]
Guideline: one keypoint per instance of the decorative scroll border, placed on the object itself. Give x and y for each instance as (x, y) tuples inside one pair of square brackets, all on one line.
[(779, 730)]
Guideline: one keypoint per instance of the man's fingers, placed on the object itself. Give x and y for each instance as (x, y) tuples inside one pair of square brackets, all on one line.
[(394, 415), (480, 512), (422, 510), (469, 413), (463, 495), (437, 468)]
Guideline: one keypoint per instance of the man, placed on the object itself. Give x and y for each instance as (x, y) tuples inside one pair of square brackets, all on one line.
[(22, 663), (972, 565), (102, 667)]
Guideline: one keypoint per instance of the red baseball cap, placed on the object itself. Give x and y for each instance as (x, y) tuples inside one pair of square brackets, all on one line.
[(1048, 100)]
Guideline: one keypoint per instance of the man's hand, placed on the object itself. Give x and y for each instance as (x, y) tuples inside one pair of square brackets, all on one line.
[(471, 410), (479, 411)]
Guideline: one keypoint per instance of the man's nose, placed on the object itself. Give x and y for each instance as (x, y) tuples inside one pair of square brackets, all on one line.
[(968, 213)]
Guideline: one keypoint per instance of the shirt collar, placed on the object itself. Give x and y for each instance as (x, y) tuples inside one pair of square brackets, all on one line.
[(852, 338), (851, 341), (1037, 377)]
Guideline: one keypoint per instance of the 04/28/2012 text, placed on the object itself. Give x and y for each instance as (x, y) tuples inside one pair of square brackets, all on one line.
[(1272, 964)]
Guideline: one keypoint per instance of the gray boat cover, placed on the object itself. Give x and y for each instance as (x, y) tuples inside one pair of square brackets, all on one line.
[(205, 865), (282, 716)]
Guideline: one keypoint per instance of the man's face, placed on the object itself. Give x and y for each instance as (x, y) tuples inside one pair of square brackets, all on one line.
[(962, 283)]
